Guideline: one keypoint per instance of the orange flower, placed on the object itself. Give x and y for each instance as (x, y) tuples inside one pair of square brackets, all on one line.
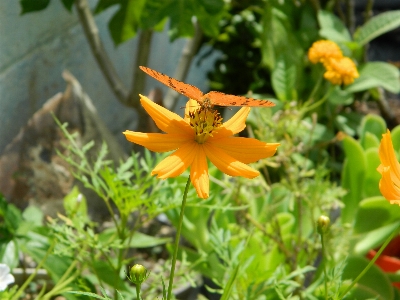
[(389, 184), (322, 50), (340, 70), (201, 135)]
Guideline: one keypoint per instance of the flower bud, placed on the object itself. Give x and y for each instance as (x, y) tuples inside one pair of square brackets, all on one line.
[(138, 274), (323, 223)]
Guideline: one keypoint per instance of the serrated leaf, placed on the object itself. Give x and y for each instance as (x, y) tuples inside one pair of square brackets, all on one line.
[(209, 23), (283, 79), (376, 74), (33, 5), (332, 27), (377, 26)]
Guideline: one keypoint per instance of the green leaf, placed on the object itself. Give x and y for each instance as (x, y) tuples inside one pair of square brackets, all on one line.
[(377, 209), (75, 206), (89, 294), (109, 275), (332, 27), (283, 79), (68, 4), (33, 5), (395, 134), (376, 74), (373, 285), (373, 124), (212, 6), (9, 254), (377, 26), (340, 97), (353, 176), (370, 141), (372, 176), (210, 24), (104, 4), (33, 215), (139, 240), (124, 24), (375, 238)]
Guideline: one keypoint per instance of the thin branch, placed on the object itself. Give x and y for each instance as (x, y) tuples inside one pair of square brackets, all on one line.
[(350, 18), (386, 111), (368, 13), (316, 5), (142, 58), (92, 35), (185, 60)]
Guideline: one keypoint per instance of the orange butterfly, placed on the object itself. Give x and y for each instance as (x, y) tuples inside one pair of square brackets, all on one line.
[(209, 99)]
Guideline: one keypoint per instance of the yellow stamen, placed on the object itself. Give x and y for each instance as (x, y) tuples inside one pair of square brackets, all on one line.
[(204, 121)]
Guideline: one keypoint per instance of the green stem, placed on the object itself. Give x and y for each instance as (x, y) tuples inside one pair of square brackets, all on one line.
[(177, 238), (372, 261), (315, 89), (138, 291), (30, 278), (324, 265)]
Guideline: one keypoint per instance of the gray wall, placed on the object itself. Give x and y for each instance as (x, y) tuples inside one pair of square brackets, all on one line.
[(35, 48)]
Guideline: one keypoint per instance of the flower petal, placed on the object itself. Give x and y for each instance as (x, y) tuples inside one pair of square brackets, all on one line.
[(234, 125), (245, 150), (199, 174), (190, 106), (166, 120), (157, 142), (177, 162), (227, 163), (388, 189), (388, 157)]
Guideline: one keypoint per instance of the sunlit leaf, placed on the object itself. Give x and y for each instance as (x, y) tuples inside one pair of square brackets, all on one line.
[(377, 26)]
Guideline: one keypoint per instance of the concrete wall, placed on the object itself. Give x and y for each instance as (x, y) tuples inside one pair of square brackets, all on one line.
[(35, 48)]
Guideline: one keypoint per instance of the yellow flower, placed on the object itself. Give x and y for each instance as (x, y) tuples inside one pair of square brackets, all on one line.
[(340, 70), (322, 50), (201, 135), (389, 168)]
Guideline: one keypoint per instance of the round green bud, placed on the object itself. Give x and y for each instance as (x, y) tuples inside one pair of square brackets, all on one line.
[(138, 274), (323, 223)]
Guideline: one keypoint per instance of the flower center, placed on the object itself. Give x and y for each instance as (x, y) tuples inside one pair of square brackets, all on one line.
[(204, 121)]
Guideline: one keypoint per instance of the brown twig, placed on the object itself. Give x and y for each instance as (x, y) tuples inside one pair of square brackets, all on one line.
[(350, 18), (368, 13), (385, 109), (92, 35), (139, 77), (182, 69)]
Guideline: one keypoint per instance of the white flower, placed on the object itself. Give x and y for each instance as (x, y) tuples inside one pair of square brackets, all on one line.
[(5, 277)]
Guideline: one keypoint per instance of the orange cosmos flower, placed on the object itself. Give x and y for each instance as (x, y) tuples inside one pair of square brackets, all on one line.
[(322, 50), (201, 135), (389, 184)]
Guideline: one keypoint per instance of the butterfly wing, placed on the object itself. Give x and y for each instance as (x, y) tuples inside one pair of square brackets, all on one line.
[(221, 99), (183, 88)]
